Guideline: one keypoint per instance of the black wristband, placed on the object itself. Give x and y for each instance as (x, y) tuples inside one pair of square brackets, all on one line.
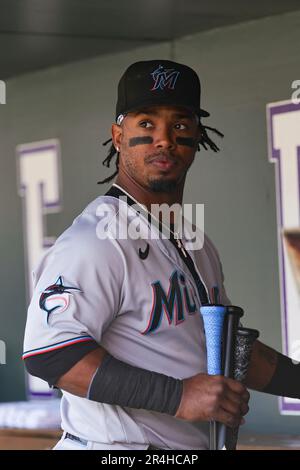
[(286, 378), (118, 383)]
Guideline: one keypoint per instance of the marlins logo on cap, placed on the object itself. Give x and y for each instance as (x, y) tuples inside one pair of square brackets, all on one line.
[(164, 78)]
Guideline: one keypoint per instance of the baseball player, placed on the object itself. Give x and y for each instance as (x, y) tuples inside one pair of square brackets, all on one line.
[(114, 320)]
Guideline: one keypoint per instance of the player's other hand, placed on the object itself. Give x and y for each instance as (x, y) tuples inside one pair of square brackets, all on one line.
[(213, 398)]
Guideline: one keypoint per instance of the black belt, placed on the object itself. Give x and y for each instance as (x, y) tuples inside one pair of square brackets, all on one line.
[(84, 442), (75, 438)]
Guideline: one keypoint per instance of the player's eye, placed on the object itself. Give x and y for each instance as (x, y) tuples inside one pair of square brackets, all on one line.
[(180, 126), (146, 124)]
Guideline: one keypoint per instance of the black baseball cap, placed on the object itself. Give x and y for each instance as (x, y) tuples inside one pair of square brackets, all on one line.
[(159, 82)]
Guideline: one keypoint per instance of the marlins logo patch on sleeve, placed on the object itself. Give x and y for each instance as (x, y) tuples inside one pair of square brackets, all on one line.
[(56, 297)]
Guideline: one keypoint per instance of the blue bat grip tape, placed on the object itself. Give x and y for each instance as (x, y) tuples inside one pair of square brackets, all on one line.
[(213, 318)]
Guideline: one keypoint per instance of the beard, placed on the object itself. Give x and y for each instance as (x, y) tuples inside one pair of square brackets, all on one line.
[(163, 186)]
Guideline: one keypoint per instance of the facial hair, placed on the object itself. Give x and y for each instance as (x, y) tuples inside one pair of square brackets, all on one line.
[(162, 186)]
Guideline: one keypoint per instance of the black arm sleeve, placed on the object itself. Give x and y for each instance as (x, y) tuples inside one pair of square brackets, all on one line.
[(50, 366), (286, 378), (118, 383)]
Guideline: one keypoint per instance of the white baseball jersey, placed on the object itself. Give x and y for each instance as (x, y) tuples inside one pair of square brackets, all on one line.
[(142, 310)]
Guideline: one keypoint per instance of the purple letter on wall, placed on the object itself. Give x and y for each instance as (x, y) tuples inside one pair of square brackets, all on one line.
[(284, 150)]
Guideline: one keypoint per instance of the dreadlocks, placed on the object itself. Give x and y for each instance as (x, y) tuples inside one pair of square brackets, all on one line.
[(205, 141), (106, 162)]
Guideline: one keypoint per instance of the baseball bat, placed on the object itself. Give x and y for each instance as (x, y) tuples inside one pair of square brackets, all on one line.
[(244, 342), (231, 323), (213, 319)]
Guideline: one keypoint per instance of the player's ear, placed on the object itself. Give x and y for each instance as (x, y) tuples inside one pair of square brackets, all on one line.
[(116, 133)]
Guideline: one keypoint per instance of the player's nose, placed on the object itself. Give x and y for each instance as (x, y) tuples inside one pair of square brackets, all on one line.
[(164, 138)]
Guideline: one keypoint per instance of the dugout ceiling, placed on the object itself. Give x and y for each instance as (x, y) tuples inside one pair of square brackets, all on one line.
[(36, 34)]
